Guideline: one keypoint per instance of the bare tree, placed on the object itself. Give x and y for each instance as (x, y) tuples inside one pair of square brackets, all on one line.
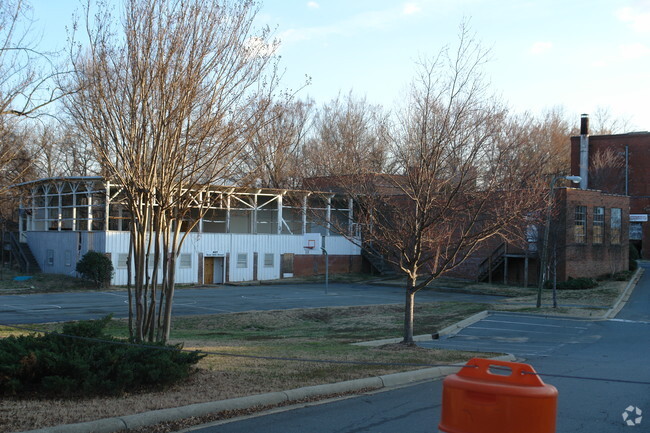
[(272, 156), (603, 122), (607, 171), (26, 85), (58, 151), (165, 102), (350, 136), (458, 182), (550, 134), (26, 74)]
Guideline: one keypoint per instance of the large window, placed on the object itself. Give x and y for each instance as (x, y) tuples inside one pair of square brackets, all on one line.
[(615, 226), (599, 225), (580, 225)]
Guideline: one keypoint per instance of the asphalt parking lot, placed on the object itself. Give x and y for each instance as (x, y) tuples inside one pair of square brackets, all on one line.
[(57, 307), (518, 334)]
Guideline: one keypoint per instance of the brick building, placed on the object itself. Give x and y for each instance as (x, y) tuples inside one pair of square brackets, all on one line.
[(588, 238), (589, 233), (618, 164)]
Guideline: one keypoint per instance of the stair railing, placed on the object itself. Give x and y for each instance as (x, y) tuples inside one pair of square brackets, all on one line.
[(18, 253), (487, 266)]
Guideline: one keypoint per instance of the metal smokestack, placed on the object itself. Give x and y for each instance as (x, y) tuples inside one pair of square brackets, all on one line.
[(584, 150), (584, 124)]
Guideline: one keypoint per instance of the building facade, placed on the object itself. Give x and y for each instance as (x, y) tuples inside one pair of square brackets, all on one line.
[(244, 234), (588, 237), (589, 234), (618, 164)]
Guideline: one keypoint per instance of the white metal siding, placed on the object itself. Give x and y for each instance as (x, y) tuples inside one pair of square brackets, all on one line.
[(209, 244), (76, 244)]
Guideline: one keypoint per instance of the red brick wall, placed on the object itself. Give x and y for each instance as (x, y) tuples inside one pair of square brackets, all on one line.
[(638, 146), (588, 259), (307, 265)]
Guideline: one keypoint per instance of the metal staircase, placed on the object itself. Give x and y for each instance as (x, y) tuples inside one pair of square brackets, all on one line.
[(22, 254), (492, 263), (375, 259)]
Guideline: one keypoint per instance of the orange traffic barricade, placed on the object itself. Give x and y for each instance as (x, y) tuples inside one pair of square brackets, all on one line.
[(488, 396)]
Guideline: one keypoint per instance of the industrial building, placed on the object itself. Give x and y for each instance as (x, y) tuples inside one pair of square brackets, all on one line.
[(245, 234), (617, 164)]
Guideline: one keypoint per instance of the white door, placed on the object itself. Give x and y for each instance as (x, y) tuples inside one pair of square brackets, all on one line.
[(218, 270)]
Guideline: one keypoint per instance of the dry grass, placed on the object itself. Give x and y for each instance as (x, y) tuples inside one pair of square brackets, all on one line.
[(322, 333), (40, 283), (577, 303)]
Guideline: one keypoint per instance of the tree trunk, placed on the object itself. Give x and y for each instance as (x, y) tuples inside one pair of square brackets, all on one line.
[(408, 312)]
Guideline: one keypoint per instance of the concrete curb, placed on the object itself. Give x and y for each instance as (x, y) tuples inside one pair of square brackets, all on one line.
[(457, 327), (110, 425), (625, 296), (449, 330)]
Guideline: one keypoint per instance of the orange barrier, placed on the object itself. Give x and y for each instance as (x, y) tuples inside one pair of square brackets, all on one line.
[(504, 399)]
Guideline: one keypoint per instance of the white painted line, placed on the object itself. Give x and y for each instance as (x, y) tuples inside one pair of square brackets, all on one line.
[(34, 308), (629, 321), (506, 341), (493, 349), (534, 324), (512, 330)]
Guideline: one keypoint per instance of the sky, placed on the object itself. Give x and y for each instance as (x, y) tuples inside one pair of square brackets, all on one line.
[(576, 54)]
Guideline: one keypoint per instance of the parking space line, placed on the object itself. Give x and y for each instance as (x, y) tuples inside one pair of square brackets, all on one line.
[(510, 329), (534, 324)]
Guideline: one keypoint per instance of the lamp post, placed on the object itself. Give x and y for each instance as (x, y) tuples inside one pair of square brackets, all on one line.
[(547, 229)]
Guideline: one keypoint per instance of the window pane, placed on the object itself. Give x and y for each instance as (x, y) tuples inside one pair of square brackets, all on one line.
[(580, 227), (636, 231), (185, 261), (122, 261), (599, 225), (242, 260), (268, 260), (615, 225)]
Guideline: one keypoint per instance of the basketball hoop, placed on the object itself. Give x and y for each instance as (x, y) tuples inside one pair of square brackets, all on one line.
[(309, 247)]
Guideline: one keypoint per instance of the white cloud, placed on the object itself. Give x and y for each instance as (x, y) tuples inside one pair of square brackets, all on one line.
[(313, 5), (637, 18), (541, 47), (634, 51), (410, 8), (381, 19), (366, 20)]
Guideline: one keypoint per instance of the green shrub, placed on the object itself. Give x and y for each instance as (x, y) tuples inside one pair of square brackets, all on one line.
[(616, 276), (574, 284), (59, 365), (622, 276), (95, 267), (634, 256)]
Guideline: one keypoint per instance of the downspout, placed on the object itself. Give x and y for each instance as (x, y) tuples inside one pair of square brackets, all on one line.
[(627, 169)]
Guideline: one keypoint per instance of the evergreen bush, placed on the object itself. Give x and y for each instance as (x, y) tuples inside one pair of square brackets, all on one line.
[(574, 284), (83, 361), (95, 267)]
